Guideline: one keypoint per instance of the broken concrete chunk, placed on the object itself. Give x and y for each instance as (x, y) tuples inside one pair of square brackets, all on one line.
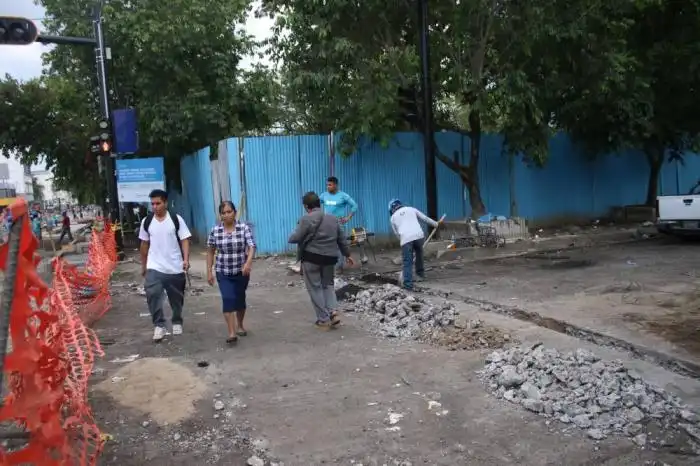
[(510, 378), (596, 434), (640, 439), (535, 406), (255, 461), (530, 391)]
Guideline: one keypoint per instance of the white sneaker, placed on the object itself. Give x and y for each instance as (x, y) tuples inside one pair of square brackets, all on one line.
[(364, 259), (177, 329), (158, 334)]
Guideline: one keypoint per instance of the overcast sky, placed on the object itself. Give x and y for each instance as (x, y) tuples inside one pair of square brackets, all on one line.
[(24, 62)]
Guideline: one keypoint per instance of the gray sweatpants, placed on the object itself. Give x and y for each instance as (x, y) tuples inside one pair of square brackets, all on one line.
[(174, 287), (319, 284)]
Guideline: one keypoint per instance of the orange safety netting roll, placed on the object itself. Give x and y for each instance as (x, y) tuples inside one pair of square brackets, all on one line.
[(53, 352)]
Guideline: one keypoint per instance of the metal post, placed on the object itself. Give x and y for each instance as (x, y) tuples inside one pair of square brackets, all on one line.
[(428, 131), (8, 290), (112, 202)]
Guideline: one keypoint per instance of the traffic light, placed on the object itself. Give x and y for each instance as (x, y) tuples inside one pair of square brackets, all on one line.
[(17, 31), (105, 138)]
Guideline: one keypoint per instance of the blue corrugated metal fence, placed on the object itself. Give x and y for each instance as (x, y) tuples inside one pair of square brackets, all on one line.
[(275, 171)]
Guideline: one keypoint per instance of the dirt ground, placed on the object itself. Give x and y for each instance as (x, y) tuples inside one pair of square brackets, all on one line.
[(290, 394), (647, 292)]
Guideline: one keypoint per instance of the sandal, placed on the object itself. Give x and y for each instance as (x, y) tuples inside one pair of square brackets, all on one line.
[(323, 325), (242, 333), (232, 340), (335, 319)]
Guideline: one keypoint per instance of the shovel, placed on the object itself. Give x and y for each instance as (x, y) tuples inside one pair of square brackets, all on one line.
[(432, 233)]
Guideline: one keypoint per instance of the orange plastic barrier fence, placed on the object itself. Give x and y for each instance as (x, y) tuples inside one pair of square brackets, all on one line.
[(53, 352)]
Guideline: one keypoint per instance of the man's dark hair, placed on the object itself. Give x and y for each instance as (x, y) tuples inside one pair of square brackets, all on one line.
[(158, 193), (311, 200), (332, 179)]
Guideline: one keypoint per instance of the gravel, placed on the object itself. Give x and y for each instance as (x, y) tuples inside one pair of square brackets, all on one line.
[(602, 398), (395, 313)]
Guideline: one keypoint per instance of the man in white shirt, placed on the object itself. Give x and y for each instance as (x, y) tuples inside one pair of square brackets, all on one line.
[(165, 254), (405, 224)]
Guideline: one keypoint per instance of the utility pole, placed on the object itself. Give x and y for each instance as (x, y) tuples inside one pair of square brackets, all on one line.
[(428, 127), (111, 204)]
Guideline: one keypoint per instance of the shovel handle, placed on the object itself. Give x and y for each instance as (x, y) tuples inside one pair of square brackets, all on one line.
[(432, 233)]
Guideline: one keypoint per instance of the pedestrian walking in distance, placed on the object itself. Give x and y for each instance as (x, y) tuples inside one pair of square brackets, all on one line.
[(405, 224), (230, 252), (65, 229), (165, 260), (320, 240)]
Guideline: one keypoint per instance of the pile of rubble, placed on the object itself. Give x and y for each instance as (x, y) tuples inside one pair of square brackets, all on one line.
[(600, 397), (469, 334), (393, 312)]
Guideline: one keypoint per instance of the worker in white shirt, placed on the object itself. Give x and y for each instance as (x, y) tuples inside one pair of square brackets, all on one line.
[(405, 224)]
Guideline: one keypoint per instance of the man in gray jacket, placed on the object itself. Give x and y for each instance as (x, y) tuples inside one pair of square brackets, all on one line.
[(319, 236)]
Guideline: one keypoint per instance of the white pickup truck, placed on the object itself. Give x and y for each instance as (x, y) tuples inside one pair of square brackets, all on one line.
[(679, 215)]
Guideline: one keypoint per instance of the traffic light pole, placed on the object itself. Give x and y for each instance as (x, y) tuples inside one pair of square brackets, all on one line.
[(23, 31), (428, 130), (112, 201)]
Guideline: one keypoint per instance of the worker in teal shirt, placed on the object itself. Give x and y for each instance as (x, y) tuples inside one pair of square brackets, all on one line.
[(340, 205)]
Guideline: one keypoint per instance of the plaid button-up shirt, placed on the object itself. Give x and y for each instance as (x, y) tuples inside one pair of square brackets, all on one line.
[(231, 247)]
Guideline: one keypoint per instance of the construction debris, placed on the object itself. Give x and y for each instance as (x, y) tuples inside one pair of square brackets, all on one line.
[(395, 313), (579, 389), (469, 335)]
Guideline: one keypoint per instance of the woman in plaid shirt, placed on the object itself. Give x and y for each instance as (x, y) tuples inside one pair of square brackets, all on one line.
[(230, 251)]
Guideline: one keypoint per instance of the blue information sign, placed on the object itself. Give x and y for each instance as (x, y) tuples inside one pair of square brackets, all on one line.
[(136, 178)]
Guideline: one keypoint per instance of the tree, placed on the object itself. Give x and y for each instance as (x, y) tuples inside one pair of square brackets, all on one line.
[(653, 106), (37, 189), (354, 68), (49, 118), (177, 62)]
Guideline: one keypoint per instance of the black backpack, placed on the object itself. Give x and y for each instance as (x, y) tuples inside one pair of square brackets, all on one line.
[(176, 222)]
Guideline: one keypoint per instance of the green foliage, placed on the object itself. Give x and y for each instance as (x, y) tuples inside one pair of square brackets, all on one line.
[(649, 98), (177, 62), (49, 119), (344, 64)]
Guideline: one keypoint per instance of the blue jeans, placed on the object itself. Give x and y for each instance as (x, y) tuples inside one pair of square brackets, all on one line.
[(407, 251)]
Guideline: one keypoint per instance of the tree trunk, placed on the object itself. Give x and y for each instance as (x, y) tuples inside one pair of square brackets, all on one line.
[(472, 181), (656, 161), (469, 174)]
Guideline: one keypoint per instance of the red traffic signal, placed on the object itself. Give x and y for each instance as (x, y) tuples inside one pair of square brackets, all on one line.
[(17, 31)]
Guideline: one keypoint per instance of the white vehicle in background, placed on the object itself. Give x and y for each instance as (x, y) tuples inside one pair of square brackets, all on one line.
[(679, 215)]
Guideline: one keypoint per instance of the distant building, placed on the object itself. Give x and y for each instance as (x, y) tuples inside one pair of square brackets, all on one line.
[(51, 196), (15, 181)]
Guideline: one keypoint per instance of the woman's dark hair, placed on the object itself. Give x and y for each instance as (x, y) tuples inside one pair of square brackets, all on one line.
[(223, 205), (311, 200)]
